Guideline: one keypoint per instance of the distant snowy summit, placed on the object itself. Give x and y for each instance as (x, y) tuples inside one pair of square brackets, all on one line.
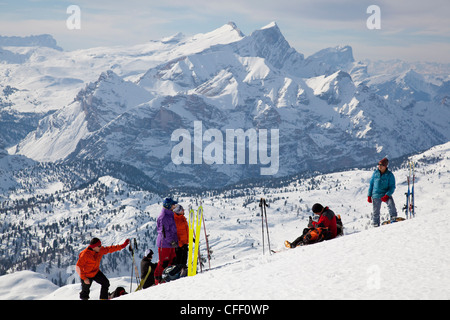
[(124, 103), (43, 40)]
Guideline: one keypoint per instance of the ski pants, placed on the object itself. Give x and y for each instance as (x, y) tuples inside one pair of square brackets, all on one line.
[(182, 255), (101, 279), (166, 258), (376, 203)]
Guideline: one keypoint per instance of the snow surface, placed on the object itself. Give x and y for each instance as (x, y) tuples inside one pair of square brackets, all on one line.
[(25, 285), (405, 260)]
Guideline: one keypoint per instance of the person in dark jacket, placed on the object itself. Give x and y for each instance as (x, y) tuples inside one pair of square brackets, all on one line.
[(327, 219), (324, 229), (146, 266), (381, 188), (167, 239)]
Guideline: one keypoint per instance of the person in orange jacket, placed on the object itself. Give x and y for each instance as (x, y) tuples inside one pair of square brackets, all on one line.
[(183, 235), (88, 267)]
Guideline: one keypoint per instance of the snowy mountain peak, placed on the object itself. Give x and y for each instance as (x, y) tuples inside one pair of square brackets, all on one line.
[(270, 32), (235, 28), (43, 40), (174, 38), (270, 44), (227, 33), (411, 77), (334, 88), (332, 59), (108, 97), (273, 24)]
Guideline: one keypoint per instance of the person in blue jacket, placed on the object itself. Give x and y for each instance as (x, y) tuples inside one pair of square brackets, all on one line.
[(381, 188)]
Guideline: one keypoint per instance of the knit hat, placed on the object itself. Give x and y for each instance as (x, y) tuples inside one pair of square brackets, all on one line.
[(168, 202), (149, 253), (95, 242), (317, 208), (384, 162), (178, 208)]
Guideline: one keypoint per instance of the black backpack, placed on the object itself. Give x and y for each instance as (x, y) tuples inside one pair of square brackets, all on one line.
[(174, 272), (120, 291)]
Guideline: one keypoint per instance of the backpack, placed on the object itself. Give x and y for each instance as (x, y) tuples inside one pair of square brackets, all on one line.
[(314, 235), (174, 272), (120, 291)]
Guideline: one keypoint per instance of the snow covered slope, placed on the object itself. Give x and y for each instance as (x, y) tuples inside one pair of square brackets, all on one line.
[(25, 285), (406, 260)]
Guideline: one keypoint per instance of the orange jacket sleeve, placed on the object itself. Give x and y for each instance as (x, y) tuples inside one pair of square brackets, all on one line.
[(110, 249)]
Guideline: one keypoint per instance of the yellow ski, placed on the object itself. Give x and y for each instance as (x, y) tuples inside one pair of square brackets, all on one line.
[(191, 241), (197, 240), (195, 224)]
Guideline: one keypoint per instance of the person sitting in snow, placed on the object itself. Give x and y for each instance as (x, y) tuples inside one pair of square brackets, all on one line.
[(148, 269), (381, 188), (324, 229), (88, 267)]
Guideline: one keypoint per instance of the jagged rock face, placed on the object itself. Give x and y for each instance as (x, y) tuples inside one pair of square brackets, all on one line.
[(325, 111)]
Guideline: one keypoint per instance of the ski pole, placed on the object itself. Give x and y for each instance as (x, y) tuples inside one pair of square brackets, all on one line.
[(267, 225), (264, 203), (134, 262), (412, 191), (408, 193), (262, 221), (207, 242), (131, 276)]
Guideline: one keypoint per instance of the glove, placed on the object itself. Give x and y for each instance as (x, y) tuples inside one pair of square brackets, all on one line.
[(127, 242), (385, 198), (174, 244), (369, 199)]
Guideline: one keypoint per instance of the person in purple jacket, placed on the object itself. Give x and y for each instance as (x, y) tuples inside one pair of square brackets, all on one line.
[(167, 239)]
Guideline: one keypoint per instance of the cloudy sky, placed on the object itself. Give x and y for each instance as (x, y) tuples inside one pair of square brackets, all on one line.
[(414, 30)]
